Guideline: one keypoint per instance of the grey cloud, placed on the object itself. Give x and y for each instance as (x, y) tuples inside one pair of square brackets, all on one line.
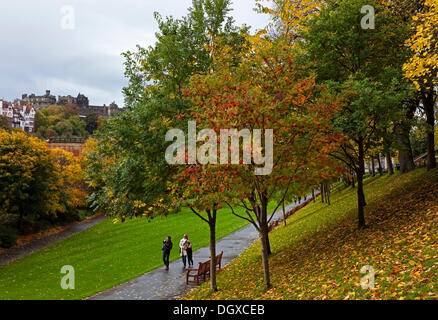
[(36, 53)]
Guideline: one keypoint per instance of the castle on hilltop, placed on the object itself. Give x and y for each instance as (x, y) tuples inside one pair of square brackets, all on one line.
[(81, 101)]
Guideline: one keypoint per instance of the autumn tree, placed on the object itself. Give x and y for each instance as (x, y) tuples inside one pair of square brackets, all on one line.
[(288, 16), (266, 92), (203, 189), (30, 183), (70, 167), (422, 68)]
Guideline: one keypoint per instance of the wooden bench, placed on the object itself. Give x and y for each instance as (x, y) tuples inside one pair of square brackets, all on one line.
[(203, 269)]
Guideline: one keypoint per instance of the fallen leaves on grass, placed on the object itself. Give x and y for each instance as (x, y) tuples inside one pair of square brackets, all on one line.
[(320, 253)]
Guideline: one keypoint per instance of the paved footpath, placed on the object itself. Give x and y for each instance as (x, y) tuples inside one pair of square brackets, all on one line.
[(24, 250), (160, 284)]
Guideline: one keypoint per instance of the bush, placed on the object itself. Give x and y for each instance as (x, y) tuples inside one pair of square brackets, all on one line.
[(8, 237)]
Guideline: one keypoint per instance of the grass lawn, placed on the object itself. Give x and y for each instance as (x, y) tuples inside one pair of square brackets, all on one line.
[(320, 252), (106, 255)]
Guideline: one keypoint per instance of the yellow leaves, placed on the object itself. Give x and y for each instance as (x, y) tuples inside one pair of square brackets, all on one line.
[(292, 14), (139, 204), (422, 65)]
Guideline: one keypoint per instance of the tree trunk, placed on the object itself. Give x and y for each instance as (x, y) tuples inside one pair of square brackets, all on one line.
[(428, 102), (264, 235), (313, 195), (402, 129), (373, 167), (380, 165), (360, 191), (268, 243), (213, 285), (405, 157), (327, 190), (389, 162), (212, 224), (265, 258)]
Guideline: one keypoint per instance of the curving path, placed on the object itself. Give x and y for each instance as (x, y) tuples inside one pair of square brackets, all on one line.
[(160, 284), (24, 250)]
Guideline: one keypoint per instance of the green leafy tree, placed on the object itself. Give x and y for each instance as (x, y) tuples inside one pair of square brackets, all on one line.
[(155, 102), (355, 63), (92, 122)]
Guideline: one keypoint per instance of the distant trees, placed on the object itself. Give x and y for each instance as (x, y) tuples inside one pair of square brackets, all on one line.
[(4, 123), (92, 122), (64, 122)]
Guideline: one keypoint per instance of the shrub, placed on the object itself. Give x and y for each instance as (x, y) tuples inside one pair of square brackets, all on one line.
[(8, 237)]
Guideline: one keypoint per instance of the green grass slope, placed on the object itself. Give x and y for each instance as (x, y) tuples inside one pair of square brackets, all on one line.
[(320, 253), (106, 255)]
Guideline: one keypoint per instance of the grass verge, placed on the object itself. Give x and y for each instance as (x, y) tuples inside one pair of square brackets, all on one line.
[(106, 255)]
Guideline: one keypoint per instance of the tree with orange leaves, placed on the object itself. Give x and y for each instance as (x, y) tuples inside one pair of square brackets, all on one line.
[(267, 91)]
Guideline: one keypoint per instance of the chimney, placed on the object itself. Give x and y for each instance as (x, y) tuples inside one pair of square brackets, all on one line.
[(47, 93)]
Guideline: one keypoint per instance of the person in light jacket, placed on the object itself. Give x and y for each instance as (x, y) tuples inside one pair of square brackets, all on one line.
[(183, 249)]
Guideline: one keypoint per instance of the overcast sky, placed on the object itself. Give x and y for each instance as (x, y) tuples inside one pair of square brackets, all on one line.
[(38, 54)]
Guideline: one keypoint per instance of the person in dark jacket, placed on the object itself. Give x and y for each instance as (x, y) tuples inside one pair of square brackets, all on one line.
[(167, 246), (189, 253)]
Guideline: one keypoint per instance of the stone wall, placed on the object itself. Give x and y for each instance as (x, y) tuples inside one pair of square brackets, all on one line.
[(74, 145)]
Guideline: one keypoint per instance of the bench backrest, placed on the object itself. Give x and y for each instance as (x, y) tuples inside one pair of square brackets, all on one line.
[(203, 267), (219, 257)]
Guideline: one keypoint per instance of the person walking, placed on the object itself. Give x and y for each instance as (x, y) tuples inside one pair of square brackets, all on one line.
[(189, 254), (183, 249), (167, 246)]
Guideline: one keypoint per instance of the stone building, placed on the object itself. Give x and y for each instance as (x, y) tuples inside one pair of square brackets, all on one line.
[(84, 107), (104, 111), (80, 100), (38, 102)]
